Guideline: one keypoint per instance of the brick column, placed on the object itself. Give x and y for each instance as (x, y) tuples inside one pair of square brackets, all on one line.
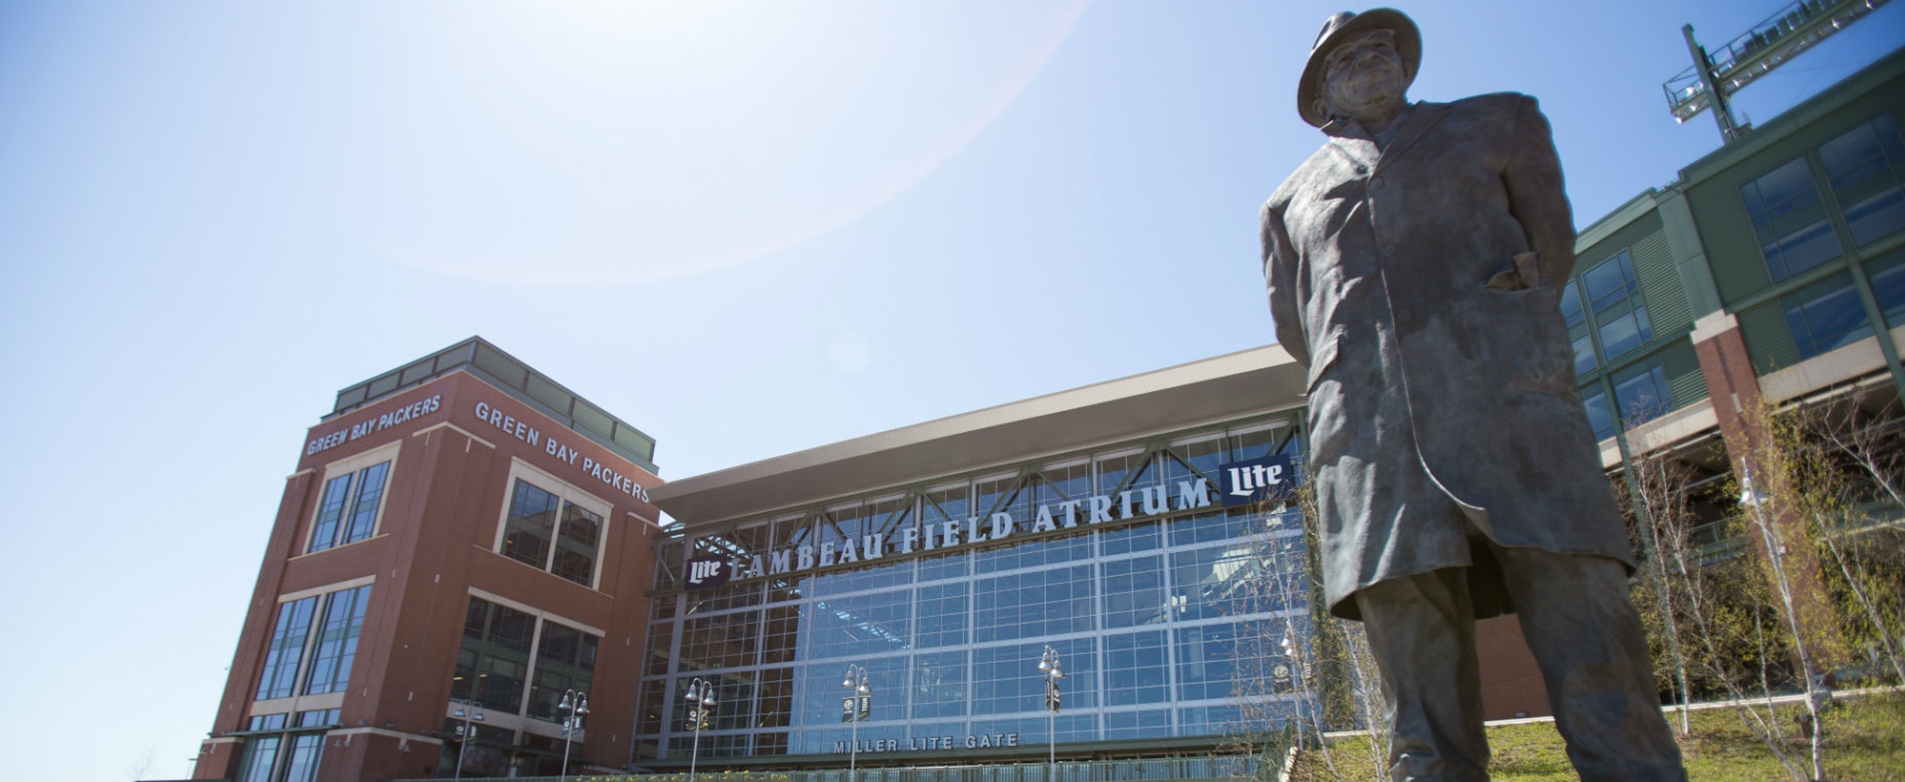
[(1734, 390)]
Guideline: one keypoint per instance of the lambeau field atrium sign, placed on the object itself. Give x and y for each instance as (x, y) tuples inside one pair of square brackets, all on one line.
[(1269, 479)]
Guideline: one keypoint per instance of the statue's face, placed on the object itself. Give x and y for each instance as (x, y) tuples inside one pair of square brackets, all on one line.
[(1363, 76)]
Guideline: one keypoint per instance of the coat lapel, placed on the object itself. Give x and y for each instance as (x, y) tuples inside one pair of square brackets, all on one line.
[(1417, 121)]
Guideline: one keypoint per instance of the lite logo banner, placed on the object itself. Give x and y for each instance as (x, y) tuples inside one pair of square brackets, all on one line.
[(704, 572), (1269, 479)]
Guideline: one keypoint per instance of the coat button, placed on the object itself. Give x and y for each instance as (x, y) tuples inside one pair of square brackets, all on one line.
[(1404, 315), (1388, 249), (1375, 184)]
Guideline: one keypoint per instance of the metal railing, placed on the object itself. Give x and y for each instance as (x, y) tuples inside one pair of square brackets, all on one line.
[(1202, 769), (1780, 37)]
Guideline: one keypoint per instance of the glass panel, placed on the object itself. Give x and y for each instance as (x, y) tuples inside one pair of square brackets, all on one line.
[(1051, 601), (1134, 592), (859, 626), (286, 649), (1206, 661), (337, 641), (492, 667), (942, 615), (577, 544), (939, 685), (565, 660), (822, 694), (1864, 167), (777, 698), (780, 639), (1826, 315), (1137, 537), (1614, 291), (1217, 582), (1155, 724), (1794, 232), (1888, 285), (370, 489), (720, 641), (1600, 419), (305, 752), (1571, 305), (661, 648), (1006, 679), (1584, 360), (1642, 392), (1136, 669), (261, 754), (1216, 525), (1624, 332), (330, 510), (531, 522), (1034, 553)]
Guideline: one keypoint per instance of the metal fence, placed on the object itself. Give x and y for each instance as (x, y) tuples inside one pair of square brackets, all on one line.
[(1204, 769)]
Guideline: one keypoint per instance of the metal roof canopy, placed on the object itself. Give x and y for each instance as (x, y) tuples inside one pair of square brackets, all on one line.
[(1255, 381)]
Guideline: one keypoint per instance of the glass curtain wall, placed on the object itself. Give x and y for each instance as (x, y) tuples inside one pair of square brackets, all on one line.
[(1145, 595)]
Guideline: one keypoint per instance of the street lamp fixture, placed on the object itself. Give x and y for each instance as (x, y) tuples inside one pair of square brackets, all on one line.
[(855, 709), (1054, 670), (576, 703), (700, 697), (468, 711)]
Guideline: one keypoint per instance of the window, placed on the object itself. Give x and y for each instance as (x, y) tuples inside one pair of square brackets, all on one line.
[(496, 669), (492, 668), (336, 641), (330, 649), (552, 534), (565, 660), (1865, 167), (1826, 315), (287, 648), (1642, 392), (1576, 318), (1599, 417), (348, 511), (1887, 274), (287, 756), (1620, 313), (1790, 220)]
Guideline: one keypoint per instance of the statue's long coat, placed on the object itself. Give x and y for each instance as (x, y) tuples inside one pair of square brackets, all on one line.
[(1442, 397)]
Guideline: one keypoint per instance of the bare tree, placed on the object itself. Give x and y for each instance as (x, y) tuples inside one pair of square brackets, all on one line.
[(1851, 465), (1313, 672), (142, 763)]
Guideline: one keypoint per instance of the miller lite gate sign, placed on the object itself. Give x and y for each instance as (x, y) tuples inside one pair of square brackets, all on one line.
[(1269, 479)]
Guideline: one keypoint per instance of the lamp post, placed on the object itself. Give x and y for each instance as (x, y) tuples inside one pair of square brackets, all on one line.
[(857, 707), (700, 696), (1054, 670), (468, 711), (577, 704)]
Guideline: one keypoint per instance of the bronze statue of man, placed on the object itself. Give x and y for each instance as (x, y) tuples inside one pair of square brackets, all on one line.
[(1414, 264)]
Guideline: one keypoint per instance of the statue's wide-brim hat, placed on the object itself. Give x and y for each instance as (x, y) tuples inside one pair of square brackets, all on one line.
[(1340, 28)]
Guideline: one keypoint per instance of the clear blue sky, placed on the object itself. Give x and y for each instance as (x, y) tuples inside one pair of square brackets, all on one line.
[(746, 228)]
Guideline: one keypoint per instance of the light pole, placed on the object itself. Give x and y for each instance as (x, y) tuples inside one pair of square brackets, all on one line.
[(1054, 670), (700, 695), (468, 711), (577, 704), (856, 707)]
